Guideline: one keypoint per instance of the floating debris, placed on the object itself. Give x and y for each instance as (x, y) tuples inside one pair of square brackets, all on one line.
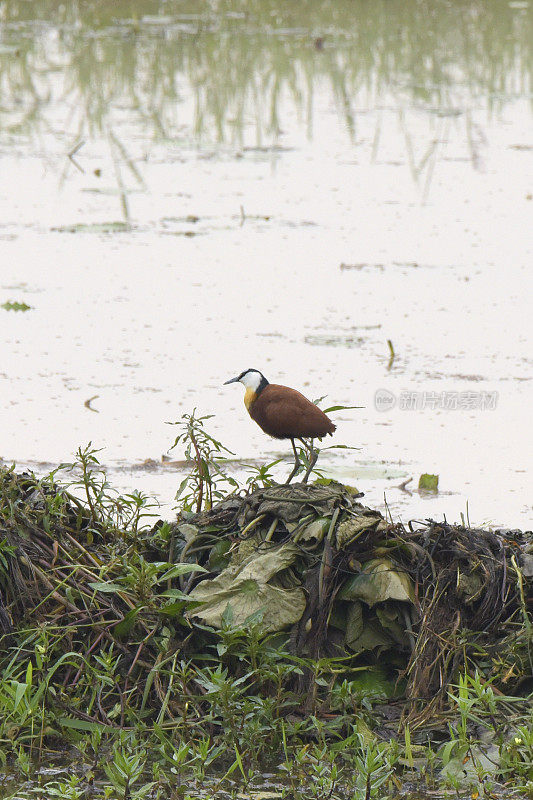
[(95, 227), (428, 483), (15, 306)]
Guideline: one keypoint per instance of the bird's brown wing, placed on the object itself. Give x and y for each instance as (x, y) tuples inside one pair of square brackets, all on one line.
[(286, 414)]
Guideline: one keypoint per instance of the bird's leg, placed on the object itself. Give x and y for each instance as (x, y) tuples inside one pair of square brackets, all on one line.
[(313, 455), (297, 463)]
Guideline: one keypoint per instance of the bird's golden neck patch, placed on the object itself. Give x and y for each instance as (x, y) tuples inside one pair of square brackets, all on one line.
[(249, 397)]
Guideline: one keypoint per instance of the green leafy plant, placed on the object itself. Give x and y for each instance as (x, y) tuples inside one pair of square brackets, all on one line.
[(71, 789), (207, 478), (126, 768), (110, 512)]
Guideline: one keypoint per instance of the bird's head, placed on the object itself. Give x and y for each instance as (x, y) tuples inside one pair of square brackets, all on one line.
[(252, 379)]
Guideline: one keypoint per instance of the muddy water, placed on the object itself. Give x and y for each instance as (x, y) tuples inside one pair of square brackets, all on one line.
[(185, 194)]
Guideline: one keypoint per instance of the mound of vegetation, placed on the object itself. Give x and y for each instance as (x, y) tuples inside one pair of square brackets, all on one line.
[(286, 626)]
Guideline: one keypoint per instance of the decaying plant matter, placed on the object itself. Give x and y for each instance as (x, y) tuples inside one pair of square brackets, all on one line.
[(309, 561), (314, 560)]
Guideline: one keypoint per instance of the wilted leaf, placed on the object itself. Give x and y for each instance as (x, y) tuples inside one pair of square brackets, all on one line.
[(392, 620), (375, 629), (354, 623), (281, 607), (188, 531), (243, 589), (219, 556), (314, 532), (372, 637), (379, 581), (350, 528)]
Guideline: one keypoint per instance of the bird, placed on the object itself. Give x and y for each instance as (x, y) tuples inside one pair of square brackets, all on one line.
[(284, 413)]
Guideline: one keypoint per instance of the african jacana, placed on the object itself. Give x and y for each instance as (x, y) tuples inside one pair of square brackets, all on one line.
[(284, 413)]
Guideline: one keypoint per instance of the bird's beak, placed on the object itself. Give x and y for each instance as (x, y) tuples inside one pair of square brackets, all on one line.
[(231, 380)]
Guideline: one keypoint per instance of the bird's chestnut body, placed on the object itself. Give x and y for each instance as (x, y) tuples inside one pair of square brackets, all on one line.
[(284, 413)]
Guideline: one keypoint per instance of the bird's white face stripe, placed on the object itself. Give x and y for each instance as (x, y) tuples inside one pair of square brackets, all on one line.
[(251, 380)]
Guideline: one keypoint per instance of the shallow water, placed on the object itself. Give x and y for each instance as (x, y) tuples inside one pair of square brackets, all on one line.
[(260, 184)]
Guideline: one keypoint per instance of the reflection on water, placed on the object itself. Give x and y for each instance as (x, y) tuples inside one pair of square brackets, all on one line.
[(236, 61), (190, 189)]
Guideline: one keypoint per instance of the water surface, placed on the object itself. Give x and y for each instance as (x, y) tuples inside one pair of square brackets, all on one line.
[(192, 189)]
